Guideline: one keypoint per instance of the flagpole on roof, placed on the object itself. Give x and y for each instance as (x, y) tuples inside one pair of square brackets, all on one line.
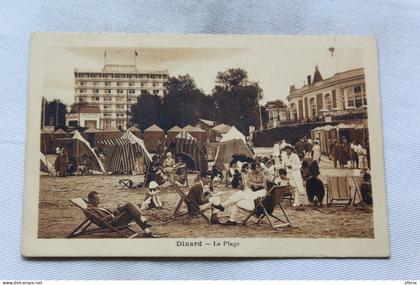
[(105, 58)]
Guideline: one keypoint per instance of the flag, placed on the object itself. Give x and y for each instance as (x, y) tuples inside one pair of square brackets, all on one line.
[(135, 53), (105, 53)]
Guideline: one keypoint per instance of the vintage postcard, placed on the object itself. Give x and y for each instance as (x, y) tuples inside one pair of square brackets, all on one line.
[(204, 146)]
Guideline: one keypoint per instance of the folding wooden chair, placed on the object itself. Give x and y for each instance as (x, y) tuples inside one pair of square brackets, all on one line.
[(184, 199), (357, 182), (268, 204), (338, 191), (83, 228), (126, 183)]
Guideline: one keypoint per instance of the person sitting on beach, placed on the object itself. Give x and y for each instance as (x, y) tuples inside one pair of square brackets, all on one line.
[(200, 195), (366, 189), (122, 216), (168, 164), (152, 199), (255, 179), (180, 172)]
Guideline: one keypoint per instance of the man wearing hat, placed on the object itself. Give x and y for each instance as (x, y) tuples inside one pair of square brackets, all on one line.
[(152, 199)]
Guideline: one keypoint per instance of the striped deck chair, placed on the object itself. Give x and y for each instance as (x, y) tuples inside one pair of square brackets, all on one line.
[(266, 205), (338, 191), (92, 219), (357, 196)]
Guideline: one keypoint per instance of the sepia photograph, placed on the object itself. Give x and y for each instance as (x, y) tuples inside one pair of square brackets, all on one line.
[(213, 145)]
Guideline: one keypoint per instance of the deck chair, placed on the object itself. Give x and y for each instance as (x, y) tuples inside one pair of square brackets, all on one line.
[(357, 181), (266, 205), (184, 199), (338, 191), (83, 228)]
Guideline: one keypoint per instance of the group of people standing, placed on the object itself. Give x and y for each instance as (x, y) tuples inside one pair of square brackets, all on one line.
[(358, 154)]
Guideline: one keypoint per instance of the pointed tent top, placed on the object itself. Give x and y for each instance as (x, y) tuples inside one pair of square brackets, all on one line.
[(111, 130), (91, 130), (222, 128), (134, 129), (185, 135), (192, 129), (174, 129), (207, 122), (317, 75), (233, 134), (153, 128), (59, 132)]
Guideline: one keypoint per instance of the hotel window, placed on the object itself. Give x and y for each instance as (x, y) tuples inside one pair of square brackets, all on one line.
[(96, 91), (144, 91), (155, 92), (106, 83), (142, 84), (119, 91), (105, 107), (132, 91), (94, 83), (82, 91), (108, 91), (357, 98), (82, 83), (131, 84), (118, 83), (328, 102), (154, 84), (97, 98), (152, 76)]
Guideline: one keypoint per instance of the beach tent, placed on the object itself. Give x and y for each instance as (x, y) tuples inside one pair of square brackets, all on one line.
[(109, 133), (46, 142), (78, 148), (219, 130), (228, 148), (172, 133), (196, 132), (45, 166), (135, 131), (185, 143), (233, 134), (153, 138), (126, 154), (138, 145), (90, 134)]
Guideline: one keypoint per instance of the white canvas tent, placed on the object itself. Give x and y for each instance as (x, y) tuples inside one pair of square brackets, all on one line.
[(233, 134), (45, 166)]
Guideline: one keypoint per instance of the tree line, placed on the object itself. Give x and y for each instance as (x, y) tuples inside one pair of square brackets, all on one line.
[(234, 101)]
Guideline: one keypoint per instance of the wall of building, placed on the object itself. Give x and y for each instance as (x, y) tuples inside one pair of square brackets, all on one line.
[(115, 89)]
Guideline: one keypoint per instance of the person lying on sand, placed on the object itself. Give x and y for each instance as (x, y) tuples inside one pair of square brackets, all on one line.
[(123, 215)]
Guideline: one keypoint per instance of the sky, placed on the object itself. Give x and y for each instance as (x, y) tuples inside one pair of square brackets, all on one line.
[(274, 68)]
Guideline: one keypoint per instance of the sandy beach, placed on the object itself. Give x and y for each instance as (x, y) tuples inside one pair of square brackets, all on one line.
[(58, 217)]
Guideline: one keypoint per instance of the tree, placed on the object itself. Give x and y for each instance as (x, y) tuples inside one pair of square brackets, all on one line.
[(276, 103), (184, 103), (54, 113), (147, 111), (237, 100)]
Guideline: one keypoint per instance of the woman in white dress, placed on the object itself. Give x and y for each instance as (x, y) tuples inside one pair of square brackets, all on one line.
[(293, 166), (316, 152)]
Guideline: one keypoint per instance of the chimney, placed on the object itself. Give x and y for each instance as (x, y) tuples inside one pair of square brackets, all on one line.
[(309, 80)]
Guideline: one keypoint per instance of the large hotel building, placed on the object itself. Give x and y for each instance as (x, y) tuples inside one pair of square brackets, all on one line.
[(340, 95), (114, 89)]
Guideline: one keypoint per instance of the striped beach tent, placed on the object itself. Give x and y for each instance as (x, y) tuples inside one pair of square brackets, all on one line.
[(185, 143), (138, 145), (123, 155), (119, 154)]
